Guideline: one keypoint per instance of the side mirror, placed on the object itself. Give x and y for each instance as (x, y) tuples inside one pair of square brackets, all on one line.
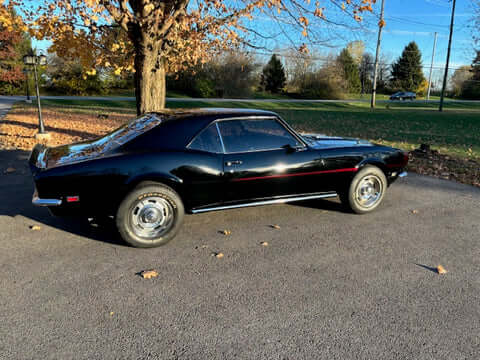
[(290, 149)]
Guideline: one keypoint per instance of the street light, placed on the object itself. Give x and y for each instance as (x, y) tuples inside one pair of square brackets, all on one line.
[(35, 60), (27, 86)]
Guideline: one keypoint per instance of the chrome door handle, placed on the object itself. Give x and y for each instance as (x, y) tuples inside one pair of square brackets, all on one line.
[(234, 162)]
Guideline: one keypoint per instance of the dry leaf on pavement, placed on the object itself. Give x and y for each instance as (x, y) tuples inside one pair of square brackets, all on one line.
[(275, 226), (414, 211), (218, 255), (441, 270), (264, 243), (226, 232), (148, 274), (35, 227), (111, 313)]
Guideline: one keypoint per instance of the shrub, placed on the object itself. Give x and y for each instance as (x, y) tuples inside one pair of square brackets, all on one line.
[(320, 86)]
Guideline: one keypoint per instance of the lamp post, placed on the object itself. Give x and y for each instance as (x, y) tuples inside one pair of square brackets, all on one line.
[(35, 60), (27, 87)]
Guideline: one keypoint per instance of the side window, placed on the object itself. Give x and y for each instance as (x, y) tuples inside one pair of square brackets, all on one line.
[(208, 140), (254, 135)]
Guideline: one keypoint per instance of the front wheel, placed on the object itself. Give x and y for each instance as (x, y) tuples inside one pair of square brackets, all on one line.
[(150, 215), (366, 191)]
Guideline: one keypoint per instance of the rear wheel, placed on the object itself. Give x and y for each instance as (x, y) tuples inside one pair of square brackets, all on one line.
[(150, 215), (366, 191)]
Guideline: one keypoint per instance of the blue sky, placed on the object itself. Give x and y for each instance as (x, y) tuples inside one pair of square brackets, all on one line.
[(418, 19), (406, 20)]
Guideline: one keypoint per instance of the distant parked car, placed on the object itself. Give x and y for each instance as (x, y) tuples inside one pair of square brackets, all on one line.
[(150, 171), (403, 95)]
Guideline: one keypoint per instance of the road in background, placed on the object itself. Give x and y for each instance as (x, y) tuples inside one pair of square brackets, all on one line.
[(127, 98), (5, 105)]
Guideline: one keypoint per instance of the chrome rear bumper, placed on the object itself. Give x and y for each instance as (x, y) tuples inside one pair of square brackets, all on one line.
[(45, 202)]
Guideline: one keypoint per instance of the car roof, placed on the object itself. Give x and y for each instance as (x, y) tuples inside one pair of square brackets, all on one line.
[(217, 113), (179, 126)]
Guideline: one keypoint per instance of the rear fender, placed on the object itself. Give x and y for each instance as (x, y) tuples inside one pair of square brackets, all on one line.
[(37, 158), (171, 181)]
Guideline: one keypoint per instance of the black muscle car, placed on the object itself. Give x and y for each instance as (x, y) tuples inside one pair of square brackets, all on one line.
[(148, 172)]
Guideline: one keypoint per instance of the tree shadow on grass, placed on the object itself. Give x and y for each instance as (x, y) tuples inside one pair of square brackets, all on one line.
[(82, 134)]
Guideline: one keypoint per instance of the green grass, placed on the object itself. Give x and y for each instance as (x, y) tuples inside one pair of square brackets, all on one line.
[(456, 131)]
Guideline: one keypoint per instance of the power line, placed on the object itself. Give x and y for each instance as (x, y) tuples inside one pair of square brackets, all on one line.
[(395, 18), (328, 61)]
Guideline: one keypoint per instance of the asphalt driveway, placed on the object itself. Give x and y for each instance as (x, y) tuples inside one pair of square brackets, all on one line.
[(330, 285)]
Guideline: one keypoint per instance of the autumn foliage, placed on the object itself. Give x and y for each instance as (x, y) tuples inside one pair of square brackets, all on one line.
[(156, 37), (10, 36)]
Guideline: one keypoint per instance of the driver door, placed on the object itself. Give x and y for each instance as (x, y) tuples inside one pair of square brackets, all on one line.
[(263, 159)]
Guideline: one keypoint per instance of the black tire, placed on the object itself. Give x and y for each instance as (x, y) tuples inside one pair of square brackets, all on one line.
[(150, 215), (351, 198)]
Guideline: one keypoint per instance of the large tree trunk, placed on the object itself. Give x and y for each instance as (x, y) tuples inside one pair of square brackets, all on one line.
[(150, 87)]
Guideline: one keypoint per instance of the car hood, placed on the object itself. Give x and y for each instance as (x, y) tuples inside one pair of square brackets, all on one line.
[(320, 141), (44, 157)]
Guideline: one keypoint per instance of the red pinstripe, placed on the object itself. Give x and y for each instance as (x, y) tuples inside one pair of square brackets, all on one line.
[(297, 174)]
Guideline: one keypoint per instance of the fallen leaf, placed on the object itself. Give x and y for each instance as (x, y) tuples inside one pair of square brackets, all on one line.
[(111, 313), (226, 232), (264, 243), (148, 274), (35, 227), (441, 270), (414, 211), (10, 170), (275, 226), (218, 255)]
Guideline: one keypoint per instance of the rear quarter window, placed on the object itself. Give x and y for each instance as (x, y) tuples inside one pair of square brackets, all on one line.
[(208, 140)]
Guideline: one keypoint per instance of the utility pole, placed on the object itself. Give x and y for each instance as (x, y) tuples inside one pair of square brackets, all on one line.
[(431, 67), (381, 24), (445, 76)]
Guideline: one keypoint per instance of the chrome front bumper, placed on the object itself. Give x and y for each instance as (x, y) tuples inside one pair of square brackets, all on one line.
[(45, 202)]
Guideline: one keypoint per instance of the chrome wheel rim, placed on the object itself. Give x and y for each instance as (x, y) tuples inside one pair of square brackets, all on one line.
[(152, 217), (369, 191)]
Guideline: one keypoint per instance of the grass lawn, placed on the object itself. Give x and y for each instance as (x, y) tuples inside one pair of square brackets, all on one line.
[(456, 131)]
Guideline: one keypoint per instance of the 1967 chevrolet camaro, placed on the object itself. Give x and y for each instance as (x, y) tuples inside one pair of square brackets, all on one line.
[(148, 172)]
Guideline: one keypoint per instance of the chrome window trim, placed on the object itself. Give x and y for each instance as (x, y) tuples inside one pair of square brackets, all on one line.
[(200, 133), (267, 117), (220, 136)]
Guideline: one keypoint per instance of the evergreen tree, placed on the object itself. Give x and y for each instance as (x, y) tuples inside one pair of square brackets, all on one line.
[(350, 71), (471, 87), (407, 71), (273, 76)]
